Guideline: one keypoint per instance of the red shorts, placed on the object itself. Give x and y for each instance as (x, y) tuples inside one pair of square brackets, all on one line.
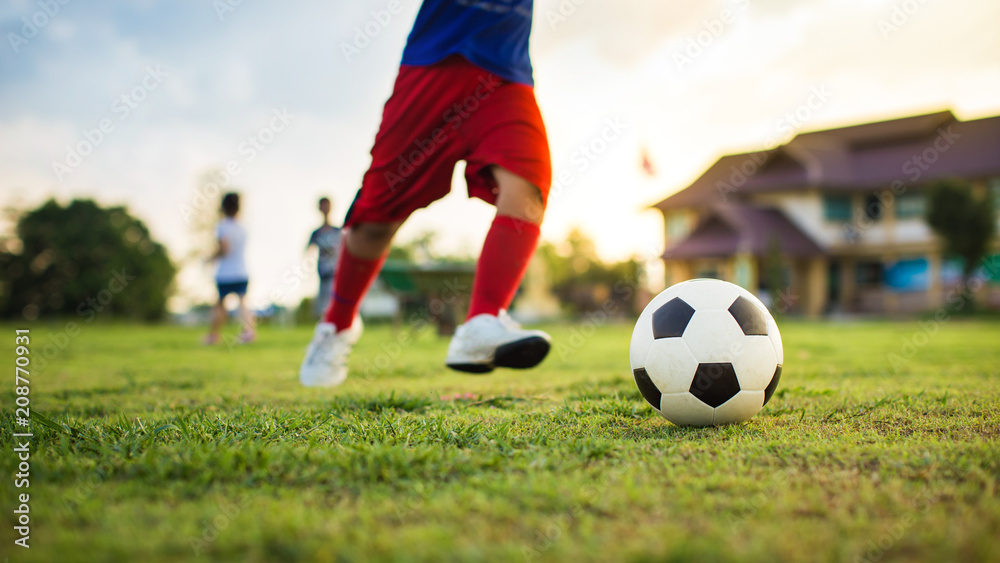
[(441, 114)]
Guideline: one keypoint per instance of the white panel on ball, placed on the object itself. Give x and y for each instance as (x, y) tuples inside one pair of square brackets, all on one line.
[(772, 326), (754, 362), (671, 365), (642, 339), (740, 408), (706, 294), (713, 336), (775, 336), (642, 335), (684, 409)]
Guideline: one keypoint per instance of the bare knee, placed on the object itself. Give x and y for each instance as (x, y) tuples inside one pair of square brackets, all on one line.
[(373, 232), (518, 197), (371, 240)]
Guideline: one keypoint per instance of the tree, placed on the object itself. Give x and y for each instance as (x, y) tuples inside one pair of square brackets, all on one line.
[(582, 282), (201, 211), (83, 260), (422, 249), (965, 222)]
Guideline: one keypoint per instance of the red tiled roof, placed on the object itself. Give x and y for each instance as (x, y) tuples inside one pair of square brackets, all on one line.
[(860, 157)]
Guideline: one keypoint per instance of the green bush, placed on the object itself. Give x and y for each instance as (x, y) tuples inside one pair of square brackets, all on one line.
[(83, 260)]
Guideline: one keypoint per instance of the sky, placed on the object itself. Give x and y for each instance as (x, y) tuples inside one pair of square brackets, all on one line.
[(158, 92)]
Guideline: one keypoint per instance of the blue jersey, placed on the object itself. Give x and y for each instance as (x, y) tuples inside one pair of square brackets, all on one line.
[(492, 35)]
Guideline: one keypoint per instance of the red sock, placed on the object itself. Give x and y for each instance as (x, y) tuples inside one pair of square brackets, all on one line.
[(508, 249), (354, 277)]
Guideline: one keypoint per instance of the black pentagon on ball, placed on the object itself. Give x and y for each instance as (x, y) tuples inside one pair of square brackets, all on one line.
[(646, 386), (671, 319), (769, 390), (749, 317), (714, 384)]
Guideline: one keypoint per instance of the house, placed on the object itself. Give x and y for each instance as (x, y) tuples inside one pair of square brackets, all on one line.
[(833, 221)]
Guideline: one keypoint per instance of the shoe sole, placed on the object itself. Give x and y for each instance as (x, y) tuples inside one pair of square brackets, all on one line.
[(477, 369), (522, 354)]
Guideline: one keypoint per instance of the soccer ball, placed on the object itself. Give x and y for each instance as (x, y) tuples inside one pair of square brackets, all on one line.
[(706, 352)]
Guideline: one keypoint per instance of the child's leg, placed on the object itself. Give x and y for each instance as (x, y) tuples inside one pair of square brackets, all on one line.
[(246, 318), (218, 319), (509, 245), (323, 296), (364, 250)]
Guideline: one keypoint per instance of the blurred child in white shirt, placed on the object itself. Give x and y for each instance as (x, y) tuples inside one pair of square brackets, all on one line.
[(231, 273)]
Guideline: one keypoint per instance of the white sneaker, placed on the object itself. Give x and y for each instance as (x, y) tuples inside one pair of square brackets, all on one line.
[(485, 342), (325, 364)]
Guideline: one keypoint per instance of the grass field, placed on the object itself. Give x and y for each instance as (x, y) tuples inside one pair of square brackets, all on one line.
[(165, 451)]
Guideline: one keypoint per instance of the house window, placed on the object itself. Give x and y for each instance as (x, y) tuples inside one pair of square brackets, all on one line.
[(870, 274), (911, 205), (837, 208), (874, 210), (677, 227), (708, 269)]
